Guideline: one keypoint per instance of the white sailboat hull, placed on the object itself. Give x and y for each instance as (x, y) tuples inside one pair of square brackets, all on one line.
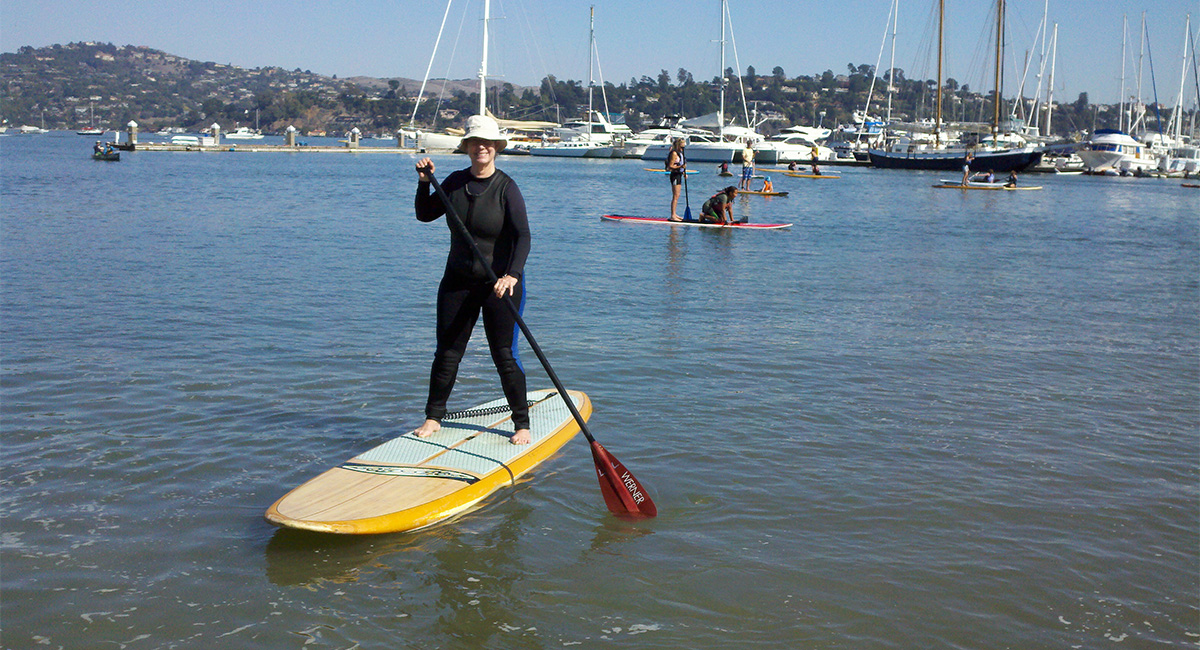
[(437, 141)]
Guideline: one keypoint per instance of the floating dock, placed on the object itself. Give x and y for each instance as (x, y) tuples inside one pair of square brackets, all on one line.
[(279, 148)]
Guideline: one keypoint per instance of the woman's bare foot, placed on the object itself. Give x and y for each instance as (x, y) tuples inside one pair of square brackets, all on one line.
[(521, 437), (428, 429)]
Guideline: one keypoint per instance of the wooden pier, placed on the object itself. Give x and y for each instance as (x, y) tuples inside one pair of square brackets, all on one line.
[(241, 147)]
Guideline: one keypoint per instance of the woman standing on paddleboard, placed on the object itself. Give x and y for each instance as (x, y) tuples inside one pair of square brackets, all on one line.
[(677, 165), (493, 210)]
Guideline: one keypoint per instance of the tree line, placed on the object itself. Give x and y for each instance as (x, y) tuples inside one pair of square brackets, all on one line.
[(61, 84)]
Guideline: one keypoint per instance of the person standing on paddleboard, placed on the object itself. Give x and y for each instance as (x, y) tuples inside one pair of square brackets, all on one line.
[(677, 166), (493, 211), (747, 165)]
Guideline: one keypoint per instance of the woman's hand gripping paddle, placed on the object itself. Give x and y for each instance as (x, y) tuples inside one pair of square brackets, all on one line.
[(623, 494)]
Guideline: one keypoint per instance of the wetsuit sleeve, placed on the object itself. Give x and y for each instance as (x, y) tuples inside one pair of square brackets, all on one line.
[(519, 220), (428, 205)]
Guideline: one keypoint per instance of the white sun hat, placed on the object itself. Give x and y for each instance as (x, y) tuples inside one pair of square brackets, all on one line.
[(485, 128)]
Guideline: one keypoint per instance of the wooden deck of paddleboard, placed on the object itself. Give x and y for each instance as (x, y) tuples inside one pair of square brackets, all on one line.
[(409, 482), (761, 193)]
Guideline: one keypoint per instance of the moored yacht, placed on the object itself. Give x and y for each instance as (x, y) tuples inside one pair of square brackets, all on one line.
[(1182, 160), (1115, 151), (243, 133), (796, 146)]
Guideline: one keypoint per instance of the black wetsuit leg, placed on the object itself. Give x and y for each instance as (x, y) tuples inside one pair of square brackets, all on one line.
[(460, 301), (502, 330)]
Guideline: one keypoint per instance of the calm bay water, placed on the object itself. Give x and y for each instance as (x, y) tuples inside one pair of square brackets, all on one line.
[(919, 418)]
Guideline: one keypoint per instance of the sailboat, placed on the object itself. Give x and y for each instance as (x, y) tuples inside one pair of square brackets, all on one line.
[(993, 157), (588, 144), (450, 138), (1184, 157), (93, 129), (1115, 151)]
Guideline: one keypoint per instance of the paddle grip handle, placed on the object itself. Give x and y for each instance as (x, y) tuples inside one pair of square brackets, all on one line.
[(458, 224)]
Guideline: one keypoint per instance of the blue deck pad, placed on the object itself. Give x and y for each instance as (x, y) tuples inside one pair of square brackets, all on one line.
[(487, 446)]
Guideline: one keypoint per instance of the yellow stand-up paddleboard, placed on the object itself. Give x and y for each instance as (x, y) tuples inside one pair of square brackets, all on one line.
[(762, 193), (803, 175), (409, 482)]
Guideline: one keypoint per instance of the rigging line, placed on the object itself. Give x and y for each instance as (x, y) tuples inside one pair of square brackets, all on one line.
[(1153, 84), (1019, 104), (445, 78), (736, 62), (600, 70), (541, 60), (1195, 78), (429, 67), (878, 59)]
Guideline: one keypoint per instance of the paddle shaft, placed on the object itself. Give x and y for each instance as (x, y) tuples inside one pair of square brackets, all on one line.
[(687, 202), (452, 215)]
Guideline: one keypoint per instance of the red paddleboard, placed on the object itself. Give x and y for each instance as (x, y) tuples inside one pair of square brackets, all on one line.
[(747, 226)]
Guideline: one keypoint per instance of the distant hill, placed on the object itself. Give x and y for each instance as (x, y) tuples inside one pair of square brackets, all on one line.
[(63, 86)]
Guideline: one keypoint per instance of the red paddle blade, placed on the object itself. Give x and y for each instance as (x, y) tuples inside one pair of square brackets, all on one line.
[(622, 493)]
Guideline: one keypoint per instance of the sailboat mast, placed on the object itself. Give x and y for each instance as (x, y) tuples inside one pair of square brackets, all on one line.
[(591, 59), (721, 110), (892, 69), (487, 12), (1050, 90), (999, 69), (1183, 65), (937, 134), (1141, 55), (1124, 35)]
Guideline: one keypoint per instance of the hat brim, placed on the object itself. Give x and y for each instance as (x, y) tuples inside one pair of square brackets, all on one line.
[(501, 145)]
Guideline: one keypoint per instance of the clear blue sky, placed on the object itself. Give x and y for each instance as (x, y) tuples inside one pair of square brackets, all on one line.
[(533, 38)]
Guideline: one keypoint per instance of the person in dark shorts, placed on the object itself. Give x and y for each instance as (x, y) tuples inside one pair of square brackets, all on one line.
[(677, 166)]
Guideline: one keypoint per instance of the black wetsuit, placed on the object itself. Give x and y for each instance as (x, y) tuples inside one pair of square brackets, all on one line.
[(493, 211)]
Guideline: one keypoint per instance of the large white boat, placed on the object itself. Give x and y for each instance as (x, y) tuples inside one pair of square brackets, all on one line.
[(1110, 150), (636, 145), (243, 133), (797, 146), (703, 146), (730, 146), (573, 149), (1181, 160), (594, 138)]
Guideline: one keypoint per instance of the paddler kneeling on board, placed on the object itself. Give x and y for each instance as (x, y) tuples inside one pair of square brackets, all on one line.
[(767, 186), (495, 216), (719, 208)]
